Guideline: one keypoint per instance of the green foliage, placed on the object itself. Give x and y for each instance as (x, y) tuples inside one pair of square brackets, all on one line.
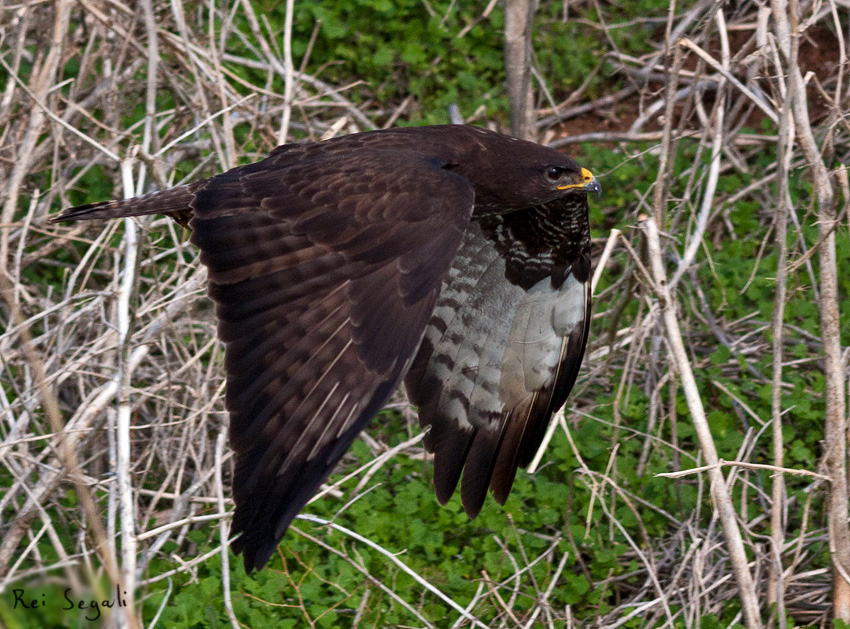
[(403, 48)]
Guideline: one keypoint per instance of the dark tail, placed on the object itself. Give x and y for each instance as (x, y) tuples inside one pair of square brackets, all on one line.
[(173, 202)]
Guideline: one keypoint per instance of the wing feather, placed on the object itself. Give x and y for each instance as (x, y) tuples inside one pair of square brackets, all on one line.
[(324, 278)]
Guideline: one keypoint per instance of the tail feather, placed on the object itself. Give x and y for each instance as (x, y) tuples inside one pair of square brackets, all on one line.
[(174, 202)]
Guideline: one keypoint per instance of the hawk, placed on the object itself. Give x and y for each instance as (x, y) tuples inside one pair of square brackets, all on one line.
[(451, 258)]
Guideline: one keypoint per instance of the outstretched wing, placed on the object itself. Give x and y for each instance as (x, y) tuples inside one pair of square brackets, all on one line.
[(503, 349), (325, 271)]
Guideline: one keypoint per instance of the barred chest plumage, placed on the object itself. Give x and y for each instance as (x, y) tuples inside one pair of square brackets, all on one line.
[(551, 240)]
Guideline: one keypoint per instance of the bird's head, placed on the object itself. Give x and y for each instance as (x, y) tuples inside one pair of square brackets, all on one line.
[(510, 174), (566, 181)]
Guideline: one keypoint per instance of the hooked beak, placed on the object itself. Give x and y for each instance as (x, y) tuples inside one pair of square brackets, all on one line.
[(588, 183)]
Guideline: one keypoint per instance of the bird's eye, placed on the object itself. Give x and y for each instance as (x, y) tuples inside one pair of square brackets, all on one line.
[(553, 173)]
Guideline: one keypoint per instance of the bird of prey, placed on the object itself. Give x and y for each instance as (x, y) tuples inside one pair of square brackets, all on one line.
[(452, 258)]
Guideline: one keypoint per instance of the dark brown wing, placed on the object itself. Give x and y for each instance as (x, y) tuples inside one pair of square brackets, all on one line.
[(325, 271), (503, 349)]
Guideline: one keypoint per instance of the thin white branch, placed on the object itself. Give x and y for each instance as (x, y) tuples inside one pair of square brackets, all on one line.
[(125, 407), (752, 466), (714, 168), (289, 72), (767, 109), (719, 490), (603, 259), (224, 529)]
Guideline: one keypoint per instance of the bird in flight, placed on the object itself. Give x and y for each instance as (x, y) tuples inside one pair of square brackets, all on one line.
[(451, 258)]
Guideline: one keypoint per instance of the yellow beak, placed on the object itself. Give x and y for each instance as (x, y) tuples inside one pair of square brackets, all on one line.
[(588, 182)]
